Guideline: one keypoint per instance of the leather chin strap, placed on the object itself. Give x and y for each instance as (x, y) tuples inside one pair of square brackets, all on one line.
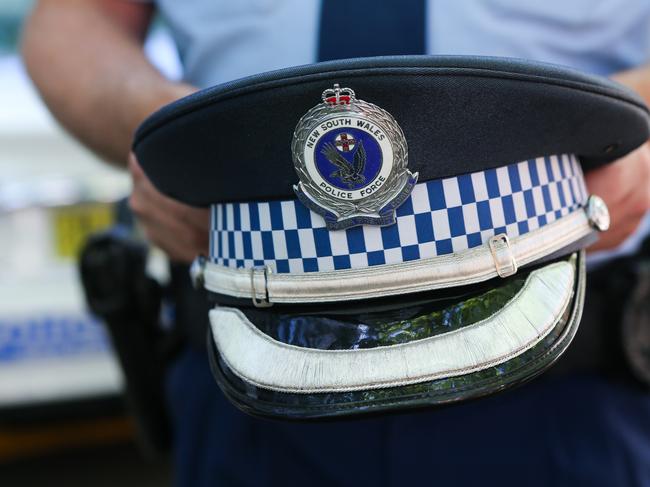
[(499, 256)]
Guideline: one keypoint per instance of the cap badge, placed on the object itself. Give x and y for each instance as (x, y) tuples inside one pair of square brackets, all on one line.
[(351, 157)]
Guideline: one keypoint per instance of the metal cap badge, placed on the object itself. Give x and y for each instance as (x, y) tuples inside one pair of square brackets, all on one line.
[(351, 157)]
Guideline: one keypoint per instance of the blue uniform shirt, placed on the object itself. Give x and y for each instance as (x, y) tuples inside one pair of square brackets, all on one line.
[(223, 40), (576, 430)]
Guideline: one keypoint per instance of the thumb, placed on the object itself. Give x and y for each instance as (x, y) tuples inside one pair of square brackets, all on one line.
[(134, 167)]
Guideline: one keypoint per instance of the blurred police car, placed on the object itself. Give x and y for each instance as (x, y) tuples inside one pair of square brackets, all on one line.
[(53, 194)]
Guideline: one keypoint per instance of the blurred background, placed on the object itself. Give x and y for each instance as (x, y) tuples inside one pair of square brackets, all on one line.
[(62, 416)]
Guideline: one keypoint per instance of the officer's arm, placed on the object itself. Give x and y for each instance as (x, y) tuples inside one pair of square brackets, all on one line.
[(625, 185), (638, 79), (86, 59)]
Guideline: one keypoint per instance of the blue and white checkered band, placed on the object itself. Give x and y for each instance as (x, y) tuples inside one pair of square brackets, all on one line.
[(439, 217)]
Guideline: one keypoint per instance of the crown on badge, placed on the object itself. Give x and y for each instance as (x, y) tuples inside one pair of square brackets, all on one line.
[(338, 95)]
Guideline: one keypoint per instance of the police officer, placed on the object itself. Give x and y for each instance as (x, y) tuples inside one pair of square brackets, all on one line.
[(87, 60)]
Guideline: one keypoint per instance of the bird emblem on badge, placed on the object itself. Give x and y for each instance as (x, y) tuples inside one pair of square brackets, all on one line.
[(351, 156), (348, 173)]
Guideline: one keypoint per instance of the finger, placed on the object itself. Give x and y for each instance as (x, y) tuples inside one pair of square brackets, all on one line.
[(164, 209), (181, 221), (616, 236), (179, 249), (198, 217), (153, 215), (179, 232), (174, 251), (147, 192), (134, 167), (601, 181)]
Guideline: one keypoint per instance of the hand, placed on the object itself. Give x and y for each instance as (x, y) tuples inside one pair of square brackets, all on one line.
[(180, 230), (625, 187)]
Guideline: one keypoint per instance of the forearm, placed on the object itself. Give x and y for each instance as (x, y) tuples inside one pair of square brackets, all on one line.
[(638, 79), (92, 73)]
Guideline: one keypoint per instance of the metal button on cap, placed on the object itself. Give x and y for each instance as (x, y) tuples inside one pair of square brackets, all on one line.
[(597, 213), (197, 272)]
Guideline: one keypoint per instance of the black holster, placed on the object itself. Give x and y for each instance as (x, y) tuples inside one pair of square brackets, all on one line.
[(614, 335), (119, 291)]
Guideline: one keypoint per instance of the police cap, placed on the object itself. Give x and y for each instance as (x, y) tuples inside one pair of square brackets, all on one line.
[(392, 232)]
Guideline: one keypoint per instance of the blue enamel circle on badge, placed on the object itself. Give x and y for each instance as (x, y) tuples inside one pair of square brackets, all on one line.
[(348, 158)]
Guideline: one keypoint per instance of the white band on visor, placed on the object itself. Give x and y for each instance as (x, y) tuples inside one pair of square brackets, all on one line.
[(521, 324), (499, 256)]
